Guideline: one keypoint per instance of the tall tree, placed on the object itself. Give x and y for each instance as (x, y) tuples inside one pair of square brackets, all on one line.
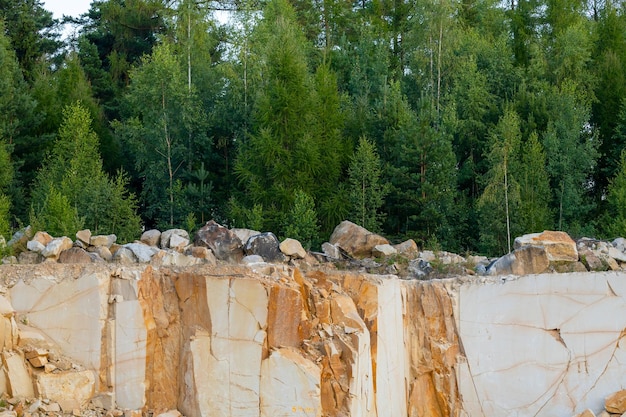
[(32, 30), (72, 185), (571, 152), (367, 191), (500, 199), (534, 211), (162, 114), (292, 145)]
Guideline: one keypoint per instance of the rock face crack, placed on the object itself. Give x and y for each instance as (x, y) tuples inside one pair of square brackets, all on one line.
[(556, 333)]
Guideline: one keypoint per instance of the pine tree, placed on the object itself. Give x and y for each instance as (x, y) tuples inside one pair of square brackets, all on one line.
[(614, 222), (71, 189), (366, 192)]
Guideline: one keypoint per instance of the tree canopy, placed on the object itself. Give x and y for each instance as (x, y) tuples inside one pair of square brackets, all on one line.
[(463, 123)]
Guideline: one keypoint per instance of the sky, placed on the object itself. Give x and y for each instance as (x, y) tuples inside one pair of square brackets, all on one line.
[(66, 7)]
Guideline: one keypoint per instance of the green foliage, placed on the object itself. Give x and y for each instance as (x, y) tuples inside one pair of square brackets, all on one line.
[(499, 203), (56, 215), (72, 186), (301, 221), (367, 191), (614, 223), (5, 217), (534, 209)]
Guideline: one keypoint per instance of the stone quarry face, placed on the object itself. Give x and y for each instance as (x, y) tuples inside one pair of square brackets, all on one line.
[(270, 340)]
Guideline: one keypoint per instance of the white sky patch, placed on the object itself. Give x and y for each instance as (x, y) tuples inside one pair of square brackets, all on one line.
[(72, 8)]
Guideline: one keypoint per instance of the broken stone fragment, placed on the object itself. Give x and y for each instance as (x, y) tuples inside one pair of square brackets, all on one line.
[(56, 246), (18, 378), (166, 238), (292, 248), (102, 240), (151, 237), (381, 251), (71, 390), (616, 403), (84, 236)]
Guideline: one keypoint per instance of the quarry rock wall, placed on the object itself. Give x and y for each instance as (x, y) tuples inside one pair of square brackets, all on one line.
[(270, 340)]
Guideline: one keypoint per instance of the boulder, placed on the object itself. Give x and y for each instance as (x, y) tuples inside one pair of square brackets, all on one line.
[(151, 237), (203, 253), (616, 402), (18, 378), (20, 238), (178, 242), (619, 244), (558, 245), (102, 240), (173, 258), (43, 238), (102, 251), (167, 236), (591, 261), (355, 240), (29, 258), (381, 251), (244, 234), (124, 256), (142, 252), (56, 246), (331, 250), (224, 243), (84, 236), (523, 261), (408, 249), (419, 268), (617, 254), (35, 246), (76, 256), (266, 245), (292, 248), (71, 390)]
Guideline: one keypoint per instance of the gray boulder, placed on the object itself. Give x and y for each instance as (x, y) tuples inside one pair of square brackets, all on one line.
[(224, 244), (265, 245)]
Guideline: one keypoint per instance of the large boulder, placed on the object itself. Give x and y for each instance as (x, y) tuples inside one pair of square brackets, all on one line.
[(180, 237), (355, 240), (292, 248), (151, 237), (523, 261), (265, 245), (77, 256), (558, 245), (225, 244)]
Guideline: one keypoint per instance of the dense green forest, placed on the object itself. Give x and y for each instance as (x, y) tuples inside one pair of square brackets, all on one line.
[(457, 123)]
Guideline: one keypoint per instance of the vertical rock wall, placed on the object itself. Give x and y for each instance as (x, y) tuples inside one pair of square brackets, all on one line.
[(270, 341)]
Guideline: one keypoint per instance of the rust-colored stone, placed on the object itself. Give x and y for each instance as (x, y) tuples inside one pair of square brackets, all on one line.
[(616, 403), (284, 316)]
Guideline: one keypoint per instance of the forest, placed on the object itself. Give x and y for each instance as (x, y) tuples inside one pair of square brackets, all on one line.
[(457, 123)]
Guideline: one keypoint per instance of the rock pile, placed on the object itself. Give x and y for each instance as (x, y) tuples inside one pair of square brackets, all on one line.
[(349, 247)]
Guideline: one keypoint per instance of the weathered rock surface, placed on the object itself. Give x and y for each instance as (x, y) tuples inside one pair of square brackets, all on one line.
[(558, 245), (151, 237), (292, 248), (355, 240), (224, 243), (271, 340), (265, 245), (522, 261)]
